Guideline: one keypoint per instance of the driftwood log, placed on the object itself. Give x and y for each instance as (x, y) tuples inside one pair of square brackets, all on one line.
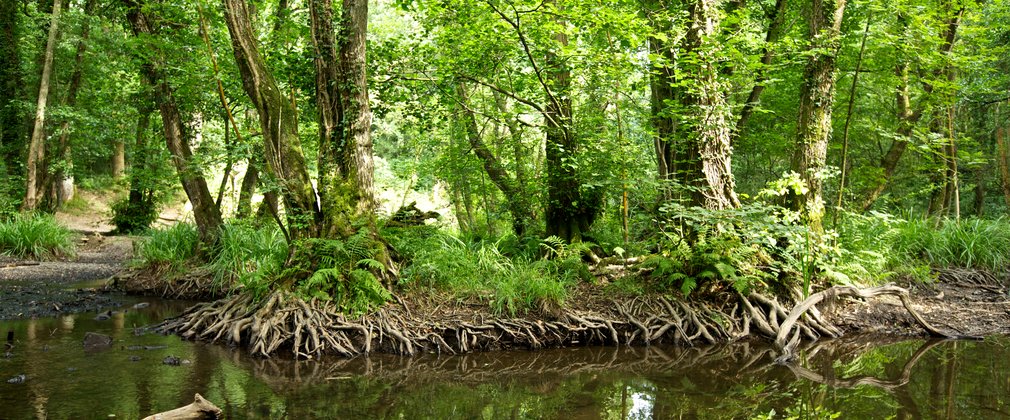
[(198, 410)]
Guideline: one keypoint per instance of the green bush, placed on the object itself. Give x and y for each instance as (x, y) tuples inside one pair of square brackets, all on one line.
[(172, 246), (35, 236), (132, 218)]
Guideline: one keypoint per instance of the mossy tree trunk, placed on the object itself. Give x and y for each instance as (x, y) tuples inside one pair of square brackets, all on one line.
[(346, 196), (817, 95), (177, 134), (689, 108), (568, 213), (345, 118), (282, 151)]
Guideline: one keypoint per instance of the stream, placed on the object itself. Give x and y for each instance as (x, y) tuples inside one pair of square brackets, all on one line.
[(852, 378)]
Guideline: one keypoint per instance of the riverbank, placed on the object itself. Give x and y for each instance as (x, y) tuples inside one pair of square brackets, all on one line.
[(962, 302)]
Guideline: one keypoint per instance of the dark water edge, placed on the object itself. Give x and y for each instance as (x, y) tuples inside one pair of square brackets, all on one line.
[(852, 378)]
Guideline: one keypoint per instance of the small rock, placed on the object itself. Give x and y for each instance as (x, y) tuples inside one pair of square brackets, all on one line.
[(96, 340), (154, 347), (186, 361), (172, 361), (141, 305), (71, 369), (134, 348), (104, 316), (134, 358), (20, 379)]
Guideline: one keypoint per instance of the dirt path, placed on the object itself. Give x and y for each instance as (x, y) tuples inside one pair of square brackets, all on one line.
[(31, 288)]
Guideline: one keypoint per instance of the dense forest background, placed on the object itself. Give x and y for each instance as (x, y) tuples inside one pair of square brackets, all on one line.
[(636, 127)]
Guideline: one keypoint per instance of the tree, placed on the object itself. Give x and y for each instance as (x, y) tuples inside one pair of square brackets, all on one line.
[(61, 183), (702, 161), (177, 130), (817, 96), (909, 115), (36, 148)]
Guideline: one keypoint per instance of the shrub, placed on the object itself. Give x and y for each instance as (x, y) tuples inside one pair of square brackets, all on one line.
[(134, 217), (35, 236)]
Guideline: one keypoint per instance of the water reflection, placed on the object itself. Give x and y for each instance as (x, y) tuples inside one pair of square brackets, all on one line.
[(852, 378)]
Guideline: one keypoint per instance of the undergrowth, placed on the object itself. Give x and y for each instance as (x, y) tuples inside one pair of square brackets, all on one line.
[(509, 274), (172, 247), (248, 256), (968, 243), (37, 236)]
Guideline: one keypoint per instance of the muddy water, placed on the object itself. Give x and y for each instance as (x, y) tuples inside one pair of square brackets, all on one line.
[(853, 379)]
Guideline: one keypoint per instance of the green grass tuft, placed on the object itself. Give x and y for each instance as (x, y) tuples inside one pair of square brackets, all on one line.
[(36, 236), (510, 284), (248, 256), (171, 246)]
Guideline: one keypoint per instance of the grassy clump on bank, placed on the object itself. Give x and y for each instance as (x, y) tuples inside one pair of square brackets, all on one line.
[(513, 275), (37, 236), (170, 247)]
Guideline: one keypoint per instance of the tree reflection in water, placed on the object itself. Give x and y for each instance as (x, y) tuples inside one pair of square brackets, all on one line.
[(855, 378)]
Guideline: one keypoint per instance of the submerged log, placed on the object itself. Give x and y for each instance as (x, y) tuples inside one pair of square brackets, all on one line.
[(199, 409)]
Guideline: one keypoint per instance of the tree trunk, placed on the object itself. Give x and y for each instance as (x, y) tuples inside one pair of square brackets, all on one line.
[(63, 180), (568, 215), (177, 135), (817, 95), (1003, 164), (518, 203), (710, 150), (140, 200), (345, 143), (36, 148), (250, 180), (282, 149), (119, 160), (10, 87), (357, 166), (661, 82)]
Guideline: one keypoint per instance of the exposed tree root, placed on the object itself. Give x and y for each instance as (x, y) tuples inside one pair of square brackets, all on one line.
[(787, 344), (309, 329)]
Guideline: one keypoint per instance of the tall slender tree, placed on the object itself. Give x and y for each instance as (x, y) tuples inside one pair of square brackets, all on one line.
[(36, 147), (177, 130), (817, 96)]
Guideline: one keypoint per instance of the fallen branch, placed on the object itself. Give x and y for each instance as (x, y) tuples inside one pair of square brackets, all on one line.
[(199, 409)]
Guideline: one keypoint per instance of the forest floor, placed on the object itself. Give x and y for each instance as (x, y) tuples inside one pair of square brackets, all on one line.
[(964, 302)]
